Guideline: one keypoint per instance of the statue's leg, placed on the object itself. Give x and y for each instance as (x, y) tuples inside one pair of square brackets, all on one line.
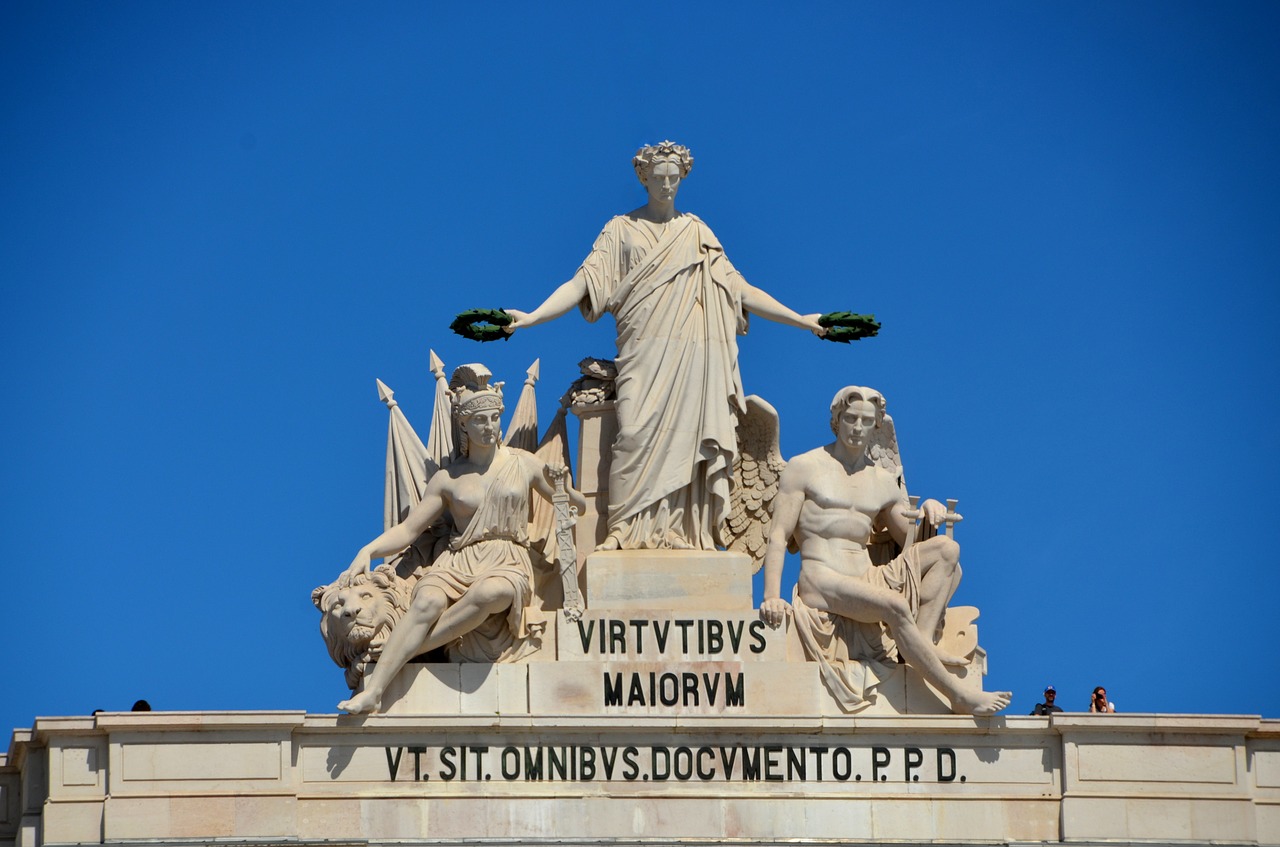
[(489, 596), (407, 640), (855, 599), (939, 559)]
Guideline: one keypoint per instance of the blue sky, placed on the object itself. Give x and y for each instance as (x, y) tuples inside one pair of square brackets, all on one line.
[(221, 222)]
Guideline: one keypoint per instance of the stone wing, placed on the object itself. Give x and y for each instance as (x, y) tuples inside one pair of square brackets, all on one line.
[(755, 481)]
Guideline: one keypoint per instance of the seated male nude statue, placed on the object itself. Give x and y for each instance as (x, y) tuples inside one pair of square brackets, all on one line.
[(829, 500)]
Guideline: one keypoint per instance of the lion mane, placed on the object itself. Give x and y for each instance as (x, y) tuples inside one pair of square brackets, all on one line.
[(355, 651)]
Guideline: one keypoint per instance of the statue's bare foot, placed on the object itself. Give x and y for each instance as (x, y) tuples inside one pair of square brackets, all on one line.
[(610, 543), (677, 542), (981, 702), (364, 703), (951, 659)]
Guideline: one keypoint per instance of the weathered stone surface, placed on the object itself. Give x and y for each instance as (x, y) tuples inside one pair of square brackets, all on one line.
[(674, 580), (296, 778)]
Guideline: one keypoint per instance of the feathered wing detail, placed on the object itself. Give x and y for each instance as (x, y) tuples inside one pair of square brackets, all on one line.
[(883, 448), (756, 472), (883, 452)]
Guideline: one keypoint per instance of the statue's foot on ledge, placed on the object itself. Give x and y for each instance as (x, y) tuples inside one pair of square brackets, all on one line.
[(980, 702), (364, 703)]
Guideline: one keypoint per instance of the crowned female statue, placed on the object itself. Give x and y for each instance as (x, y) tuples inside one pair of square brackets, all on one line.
[(477, 598), (679, 305)]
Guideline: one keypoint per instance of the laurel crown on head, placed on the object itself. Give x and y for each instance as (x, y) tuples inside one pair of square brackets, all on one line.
[(668, 151)]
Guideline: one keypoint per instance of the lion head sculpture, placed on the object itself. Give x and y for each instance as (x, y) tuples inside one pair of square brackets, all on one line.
[(356, 618)]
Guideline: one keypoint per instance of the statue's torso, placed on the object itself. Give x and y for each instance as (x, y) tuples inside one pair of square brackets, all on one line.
[(472, 489), (839, 513)]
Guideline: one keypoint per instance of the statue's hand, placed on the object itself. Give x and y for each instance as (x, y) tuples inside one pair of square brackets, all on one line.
[(518, 319), (359, 565), (933, 511), (774, 610), (554, 472), (811, 324)]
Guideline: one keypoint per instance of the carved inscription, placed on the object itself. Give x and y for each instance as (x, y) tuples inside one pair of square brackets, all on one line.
[(644, 638), (688, 688), (719, 763)]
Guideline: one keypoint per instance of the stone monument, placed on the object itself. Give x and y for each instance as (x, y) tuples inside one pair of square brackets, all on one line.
[(691, 462), (542, 659)]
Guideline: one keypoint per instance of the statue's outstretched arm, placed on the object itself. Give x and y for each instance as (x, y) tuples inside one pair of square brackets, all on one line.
[(420, 518), (762, 303), (561, 300)]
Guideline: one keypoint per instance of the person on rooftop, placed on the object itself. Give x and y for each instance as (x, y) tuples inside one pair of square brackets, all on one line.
[(1048, 707)]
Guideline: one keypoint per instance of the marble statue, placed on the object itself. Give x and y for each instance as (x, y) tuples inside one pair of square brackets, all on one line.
[(357, 615), (678, 304), (849, 612), (476, 597)]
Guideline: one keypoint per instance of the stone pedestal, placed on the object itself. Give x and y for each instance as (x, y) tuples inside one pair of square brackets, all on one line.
[(664, 632), (597, 428), (672, 580)]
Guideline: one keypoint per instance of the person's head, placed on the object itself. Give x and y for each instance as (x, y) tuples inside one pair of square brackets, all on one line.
[(661, 167), (477, 407), (1050, 693), (855, 412), (1100, 694)]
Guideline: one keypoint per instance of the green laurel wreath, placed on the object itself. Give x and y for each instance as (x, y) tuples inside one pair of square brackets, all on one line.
[(843, 327), (481, 324)]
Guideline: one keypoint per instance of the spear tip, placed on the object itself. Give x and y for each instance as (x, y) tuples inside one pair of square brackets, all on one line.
[(385, 394)]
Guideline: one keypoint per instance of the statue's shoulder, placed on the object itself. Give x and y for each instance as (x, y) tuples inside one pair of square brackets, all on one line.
[(530, 462), (519, 454), (806, 463), (694, 220), (618, 226), (705, 233)]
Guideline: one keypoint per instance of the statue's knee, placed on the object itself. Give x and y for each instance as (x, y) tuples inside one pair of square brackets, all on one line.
[(897, 613), (494, 592), (428, 603), (946, 549)]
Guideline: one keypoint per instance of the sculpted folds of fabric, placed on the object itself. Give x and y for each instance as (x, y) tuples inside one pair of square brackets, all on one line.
[(853, 657), (677, 302), (494, 545)]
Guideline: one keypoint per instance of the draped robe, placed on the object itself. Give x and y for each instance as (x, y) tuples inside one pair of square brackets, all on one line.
[(677, 303), (494, 544)]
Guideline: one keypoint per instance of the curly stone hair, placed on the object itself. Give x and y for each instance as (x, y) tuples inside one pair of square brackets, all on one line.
[(847, 395), (668, 151)]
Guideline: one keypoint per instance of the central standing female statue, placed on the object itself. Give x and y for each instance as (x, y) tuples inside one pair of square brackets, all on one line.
[(679, 305)]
